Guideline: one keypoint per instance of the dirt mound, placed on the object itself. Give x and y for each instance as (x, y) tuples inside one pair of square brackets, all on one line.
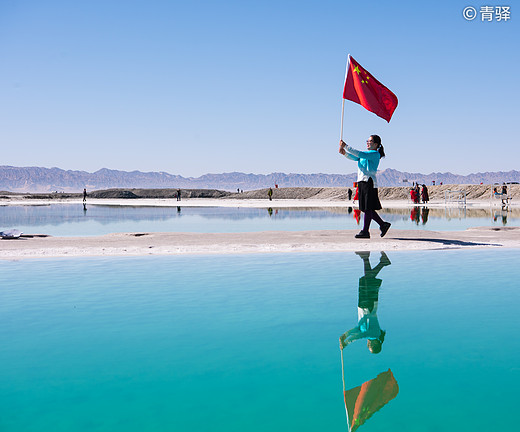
[(158, 193), (113, 193), (473, 192)]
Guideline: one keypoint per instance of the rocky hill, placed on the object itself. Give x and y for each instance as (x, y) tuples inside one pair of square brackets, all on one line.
[(38, 179)]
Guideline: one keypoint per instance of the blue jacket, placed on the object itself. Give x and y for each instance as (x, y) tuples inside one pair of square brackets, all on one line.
[(368, 162)]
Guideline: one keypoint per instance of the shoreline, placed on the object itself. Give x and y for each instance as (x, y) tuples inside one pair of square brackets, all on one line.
[(178, 243), (141, 244), (250, 203)]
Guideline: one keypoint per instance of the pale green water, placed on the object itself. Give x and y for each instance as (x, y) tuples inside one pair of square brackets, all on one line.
[(251, 342)]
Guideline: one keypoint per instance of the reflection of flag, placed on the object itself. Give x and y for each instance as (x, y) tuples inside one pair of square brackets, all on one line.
[(361, 87), (357, 215), (361, 402)]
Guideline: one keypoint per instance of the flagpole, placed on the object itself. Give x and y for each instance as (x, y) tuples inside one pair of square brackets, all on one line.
[(343, 379), (343, 100)]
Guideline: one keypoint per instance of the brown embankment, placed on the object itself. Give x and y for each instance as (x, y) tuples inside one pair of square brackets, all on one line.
[(473, 192)]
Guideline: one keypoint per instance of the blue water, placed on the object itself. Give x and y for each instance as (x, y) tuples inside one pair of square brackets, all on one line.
[(250, 342), (73, 220)]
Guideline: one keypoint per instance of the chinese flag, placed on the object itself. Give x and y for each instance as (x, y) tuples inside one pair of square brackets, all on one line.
[(364, 401), (361, 87)]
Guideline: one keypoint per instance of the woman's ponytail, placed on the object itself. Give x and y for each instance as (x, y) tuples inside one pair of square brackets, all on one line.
[(380, 148)]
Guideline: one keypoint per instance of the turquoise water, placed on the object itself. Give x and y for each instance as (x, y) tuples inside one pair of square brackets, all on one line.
[(73, 220), (251, 342)]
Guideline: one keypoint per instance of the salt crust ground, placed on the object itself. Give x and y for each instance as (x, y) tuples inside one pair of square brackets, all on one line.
[(139, 244)]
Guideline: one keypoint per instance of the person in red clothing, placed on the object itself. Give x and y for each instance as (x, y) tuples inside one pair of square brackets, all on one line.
[(412, 195), (424, 194)]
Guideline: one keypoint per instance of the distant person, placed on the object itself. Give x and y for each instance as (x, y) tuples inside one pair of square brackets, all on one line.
[(504, 195), (238, 190), (424, 194), (412, 194), (349, 194), (270, 194), (84, 195), (368, 300), (178, 194), (367, 162)]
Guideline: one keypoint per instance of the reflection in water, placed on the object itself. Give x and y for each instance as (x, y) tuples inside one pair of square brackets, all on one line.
[(502, 214), (84, 207), (459, 212), (71, 219), (419, 214), (368, 324), (270, 211), (365, 400), (357, 215), (424, 215)]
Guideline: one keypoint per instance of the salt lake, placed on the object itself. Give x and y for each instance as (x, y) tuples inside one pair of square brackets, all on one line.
[(92, 220), (251, 342)]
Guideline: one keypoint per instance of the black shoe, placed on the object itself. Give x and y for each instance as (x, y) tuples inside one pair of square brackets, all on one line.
[(384, 259), (362, 234), (385, 228)]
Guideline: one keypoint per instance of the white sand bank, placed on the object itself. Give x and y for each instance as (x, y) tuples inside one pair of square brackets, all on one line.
[(247, 203), (135, 244)]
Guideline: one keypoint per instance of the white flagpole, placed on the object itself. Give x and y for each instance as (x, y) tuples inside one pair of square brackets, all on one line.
[(343, 100), (343, 379)]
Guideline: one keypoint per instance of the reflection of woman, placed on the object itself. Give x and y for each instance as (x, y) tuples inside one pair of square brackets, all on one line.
[(368, 323)]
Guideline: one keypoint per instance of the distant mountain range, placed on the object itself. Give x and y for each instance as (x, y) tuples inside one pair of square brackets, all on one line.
[(37, 179)]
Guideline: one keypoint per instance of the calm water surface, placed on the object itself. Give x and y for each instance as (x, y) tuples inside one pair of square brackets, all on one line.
[(251, 342), (73, 220)]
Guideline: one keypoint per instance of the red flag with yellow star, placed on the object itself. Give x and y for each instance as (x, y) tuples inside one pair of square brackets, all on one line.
[(361, 87)]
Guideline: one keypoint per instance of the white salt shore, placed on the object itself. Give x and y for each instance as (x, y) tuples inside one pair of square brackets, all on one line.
[(244, 203), (142, 243)]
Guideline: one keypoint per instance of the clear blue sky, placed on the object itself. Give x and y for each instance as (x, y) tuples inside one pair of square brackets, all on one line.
[(195, 87)]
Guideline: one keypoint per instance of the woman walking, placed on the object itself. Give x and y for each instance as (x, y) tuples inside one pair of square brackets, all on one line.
[(367, 162)]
